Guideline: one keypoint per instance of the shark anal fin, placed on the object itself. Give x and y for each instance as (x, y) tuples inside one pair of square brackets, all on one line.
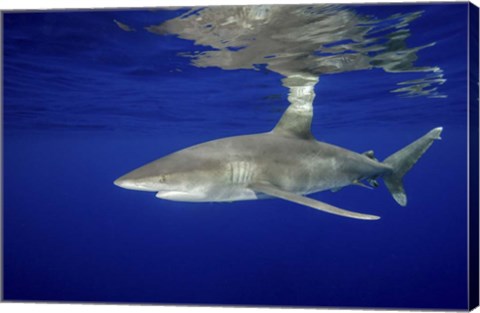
[(359, 183), (273, 191), (373, 182)]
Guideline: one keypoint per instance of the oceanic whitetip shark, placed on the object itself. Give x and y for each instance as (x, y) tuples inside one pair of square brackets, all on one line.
[(286, 163)]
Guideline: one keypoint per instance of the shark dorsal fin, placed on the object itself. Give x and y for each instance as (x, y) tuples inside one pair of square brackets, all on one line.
[(295, 122), (297, 119)]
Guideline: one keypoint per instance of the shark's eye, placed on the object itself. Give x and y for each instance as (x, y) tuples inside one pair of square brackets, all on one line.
[(162, 179)]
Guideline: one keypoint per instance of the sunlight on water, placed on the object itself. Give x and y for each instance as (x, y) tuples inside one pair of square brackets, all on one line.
[(303, 43)]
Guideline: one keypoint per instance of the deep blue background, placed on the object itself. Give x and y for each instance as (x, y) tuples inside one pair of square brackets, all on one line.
[(85, 102)]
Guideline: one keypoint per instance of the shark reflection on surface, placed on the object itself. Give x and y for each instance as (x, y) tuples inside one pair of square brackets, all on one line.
[(304, 40)]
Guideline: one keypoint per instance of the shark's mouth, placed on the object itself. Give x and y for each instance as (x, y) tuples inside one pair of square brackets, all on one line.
[(189, 196)]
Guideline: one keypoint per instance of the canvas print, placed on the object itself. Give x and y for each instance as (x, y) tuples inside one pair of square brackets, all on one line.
[(313, 155)]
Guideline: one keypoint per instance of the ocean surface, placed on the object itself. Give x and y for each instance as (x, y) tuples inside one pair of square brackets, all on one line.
[(91, 95)]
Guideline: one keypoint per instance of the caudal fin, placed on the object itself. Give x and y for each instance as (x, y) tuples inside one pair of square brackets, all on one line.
[(403, 160)]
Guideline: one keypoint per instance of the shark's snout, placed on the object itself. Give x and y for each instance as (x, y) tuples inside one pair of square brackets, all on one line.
[(125, 183), (120, 183), (133, 184)]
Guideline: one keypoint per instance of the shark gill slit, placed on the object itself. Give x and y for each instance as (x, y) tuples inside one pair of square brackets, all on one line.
[(240, 172)]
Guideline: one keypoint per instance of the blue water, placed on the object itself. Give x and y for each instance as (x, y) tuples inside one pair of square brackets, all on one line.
[(86, 101)]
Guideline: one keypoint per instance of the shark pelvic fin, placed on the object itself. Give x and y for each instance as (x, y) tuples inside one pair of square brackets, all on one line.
[(273, 191)]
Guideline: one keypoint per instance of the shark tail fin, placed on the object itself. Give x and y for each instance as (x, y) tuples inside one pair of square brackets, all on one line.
[(403, 160)]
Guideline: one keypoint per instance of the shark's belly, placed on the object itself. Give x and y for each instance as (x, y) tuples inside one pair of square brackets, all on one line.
[(220, 193), (313, 173), (306, 181)]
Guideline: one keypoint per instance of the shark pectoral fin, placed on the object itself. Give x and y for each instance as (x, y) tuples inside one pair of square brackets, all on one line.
[(273, 191)]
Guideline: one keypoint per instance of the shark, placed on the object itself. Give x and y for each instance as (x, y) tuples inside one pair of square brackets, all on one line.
[(286, 163)]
